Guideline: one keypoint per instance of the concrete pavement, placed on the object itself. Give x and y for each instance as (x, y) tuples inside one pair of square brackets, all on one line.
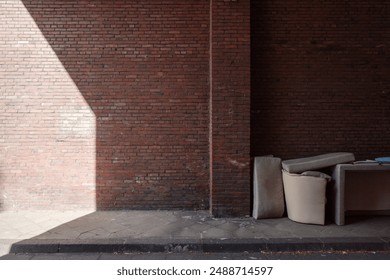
[(300, 255), (181, 232)]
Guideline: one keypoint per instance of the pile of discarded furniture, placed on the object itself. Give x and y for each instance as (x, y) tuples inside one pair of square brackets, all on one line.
[(300, 187)]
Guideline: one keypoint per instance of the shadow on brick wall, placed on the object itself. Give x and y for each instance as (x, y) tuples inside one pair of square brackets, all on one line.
[(319, 78), (144, 75)]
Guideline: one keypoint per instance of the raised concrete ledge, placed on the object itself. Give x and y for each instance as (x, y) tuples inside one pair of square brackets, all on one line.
[(210, 246), (182, 231)]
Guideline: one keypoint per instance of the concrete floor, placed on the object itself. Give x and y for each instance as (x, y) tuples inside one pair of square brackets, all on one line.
[(188, 227)]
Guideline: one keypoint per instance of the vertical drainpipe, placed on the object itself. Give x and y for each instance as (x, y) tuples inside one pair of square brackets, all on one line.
[(211, 107)]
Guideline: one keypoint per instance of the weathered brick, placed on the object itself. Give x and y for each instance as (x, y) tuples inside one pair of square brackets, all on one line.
[(158, 105), (320, 78), (104, 90)]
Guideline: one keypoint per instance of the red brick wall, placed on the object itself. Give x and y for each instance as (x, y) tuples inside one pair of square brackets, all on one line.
[(106, 105), (145, 105), (140, 69), (47, 129), (230, 107), (320, 78)]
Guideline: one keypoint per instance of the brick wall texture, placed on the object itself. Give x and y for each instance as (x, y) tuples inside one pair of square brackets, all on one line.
[(320, 78), (106, 104), (160, 104), (230, 107)]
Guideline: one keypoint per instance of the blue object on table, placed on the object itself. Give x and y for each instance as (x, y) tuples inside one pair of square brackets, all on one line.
[(383, 159)]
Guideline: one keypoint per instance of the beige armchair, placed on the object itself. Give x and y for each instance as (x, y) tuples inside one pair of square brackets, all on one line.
[(305, 193), (305, 197)]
